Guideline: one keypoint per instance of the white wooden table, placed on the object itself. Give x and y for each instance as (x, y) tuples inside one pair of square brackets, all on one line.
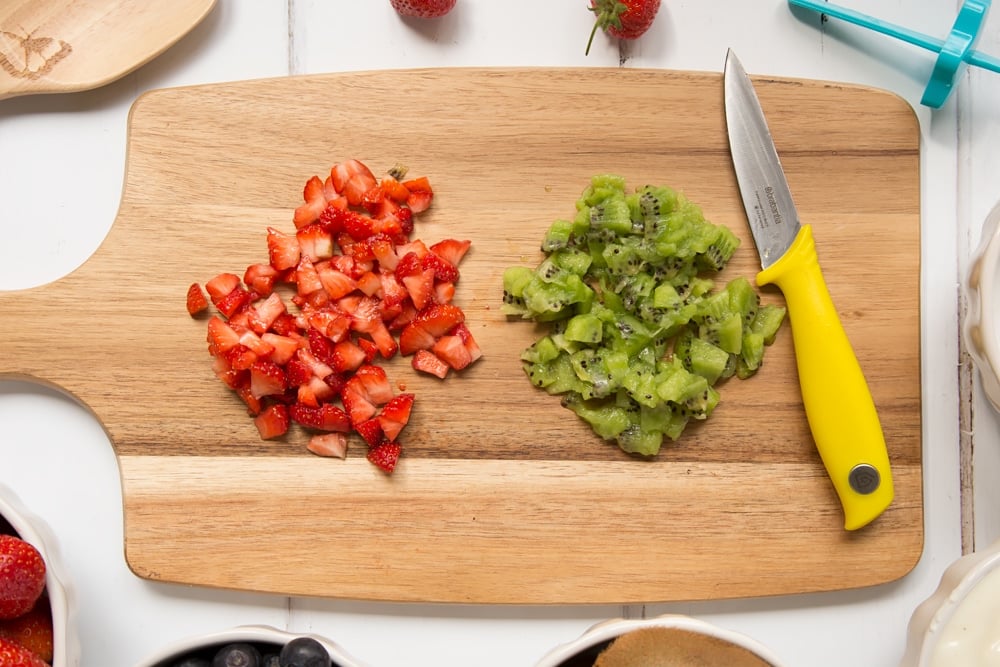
[(60, 181)]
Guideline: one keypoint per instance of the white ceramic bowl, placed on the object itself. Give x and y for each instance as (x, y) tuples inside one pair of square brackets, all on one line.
[(245, 633), (31, 529), (981, 329), (602, 633), (949, 614)]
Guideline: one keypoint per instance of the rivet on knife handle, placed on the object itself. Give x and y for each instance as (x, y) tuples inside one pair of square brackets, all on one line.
[(838, 403)]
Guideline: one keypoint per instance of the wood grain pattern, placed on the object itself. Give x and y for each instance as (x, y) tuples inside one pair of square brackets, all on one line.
[(59, 46), (502, 495)]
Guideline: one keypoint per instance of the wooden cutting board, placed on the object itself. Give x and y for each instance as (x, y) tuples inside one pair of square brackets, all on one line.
[(502, 496)]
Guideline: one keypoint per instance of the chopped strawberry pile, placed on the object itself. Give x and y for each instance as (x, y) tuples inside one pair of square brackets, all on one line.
[(361, 290)]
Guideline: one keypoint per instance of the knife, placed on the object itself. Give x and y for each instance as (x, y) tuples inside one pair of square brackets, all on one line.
[(838, 404)]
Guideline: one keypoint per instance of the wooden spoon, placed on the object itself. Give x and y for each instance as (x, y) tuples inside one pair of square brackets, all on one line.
[(58, 46)]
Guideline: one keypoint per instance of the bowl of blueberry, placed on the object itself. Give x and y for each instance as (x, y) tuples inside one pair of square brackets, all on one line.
[(252, 646)]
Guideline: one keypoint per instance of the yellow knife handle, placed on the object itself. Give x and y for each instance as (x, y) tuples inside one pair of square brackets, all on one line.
[(838, 403)]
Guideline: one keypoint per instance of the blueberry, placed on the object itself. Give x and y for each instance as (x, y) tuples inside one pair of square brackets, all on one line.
[(304, 652), (237, 655)]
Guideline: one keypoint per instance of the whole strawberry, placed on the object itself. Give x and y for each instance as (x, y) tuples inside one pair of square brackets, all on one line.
[(624, 19), (13, 654), (424, 9), (22, 576), (33, 630)]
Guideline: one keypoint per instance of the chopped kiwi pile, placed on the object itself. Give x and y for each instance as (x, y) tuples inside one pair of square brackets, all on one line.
[(638, 336)]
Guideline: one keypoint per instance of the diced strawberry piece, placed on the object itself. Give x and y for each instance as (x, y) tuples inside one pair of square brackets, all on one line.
[(421, 194), (430, 324), (321, 346), (283, 348), (414, 337), (452, 351), (393, 292), (266, 312), (283, 249), (385, 221), (377, 387), (306, 277), (356, 402), (298, 372), (336, 283), (196, 300), (241, 357), (346, 356), (325, 417), (328, 444), (417, 247), (260, 278), (315, 201), (394, 189), (451, 250), (443, 269), (369, 347), (385, 456), (462, 331), (266, 379), (444, 292), (273, 421), (408, 265), (232, 302), (221, 336), (384, 251), (358, 227), (368, 319), (395, 415), (221, 285), (255, 343), (254, 404), (285, 325), (406, 315), (371, 431), (315, 392), (331, 322), (419, 184), (420, 287), (352, 179), (231, 377), (405, 217), (315, 242), (317, 367), (370, 284), (425, 361)]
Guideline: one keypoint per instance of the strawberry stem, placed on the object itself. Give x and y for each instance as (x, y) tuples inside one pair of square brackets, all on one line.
[(608, 13)]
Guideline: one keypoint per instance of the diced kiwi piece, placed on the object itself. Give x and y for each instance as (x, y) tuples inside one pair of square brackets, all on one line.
[(515, 278), (641, 384), (751, 355), (558, 236), (607, 419), (743, 299), (678, 385), (767, 321), (584, 328), (707, 360), (668, 419), (541, 351), (572, 260), (720, 250), (611, 215), (637, 441), (590, 367), (726, 333)]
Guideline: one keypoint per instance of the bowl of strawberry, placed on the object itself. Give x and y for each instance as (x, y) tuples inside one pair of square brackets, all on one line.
[(36, 611), (252, 646)]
